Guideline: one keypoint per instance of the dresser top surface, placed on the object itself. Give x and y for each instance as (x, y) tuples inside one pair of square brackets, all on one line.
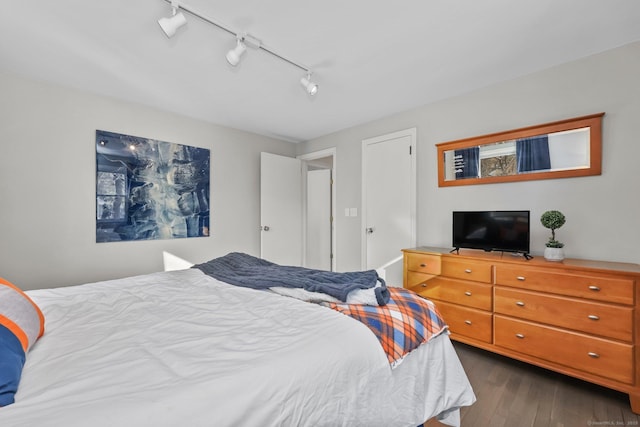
[(538, 261)]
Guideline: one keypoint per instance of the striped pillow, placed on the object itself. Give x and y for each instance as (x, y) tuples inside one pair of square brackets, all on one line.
[(21, 324)]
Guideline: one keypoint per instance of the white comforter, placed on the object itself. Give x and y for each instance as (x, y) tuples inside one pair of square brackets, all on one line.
[(183, 349)]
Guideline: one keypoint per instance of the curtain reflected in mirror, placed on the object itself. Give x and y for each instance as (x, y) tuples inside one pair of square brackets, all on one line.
[(533, 154), (465, 162)]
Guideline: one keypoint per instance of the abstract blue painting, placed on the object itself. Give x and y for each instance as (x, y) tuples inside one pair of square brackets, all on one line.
[(148, 189)]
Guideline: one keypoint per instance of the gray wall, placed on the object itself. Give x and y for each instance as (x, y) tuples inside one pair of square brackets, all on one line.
[(47, 185), (47, 172), (603, 212)]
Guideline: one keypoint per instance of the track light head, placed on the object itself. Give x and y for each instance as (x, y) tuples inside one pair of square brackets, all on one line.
[(176, 20), (308, 85), (234, 55)]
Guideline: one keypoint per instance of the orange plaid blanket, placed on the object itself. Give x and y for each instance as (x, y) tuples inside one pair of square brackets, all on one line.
[(407, 321)]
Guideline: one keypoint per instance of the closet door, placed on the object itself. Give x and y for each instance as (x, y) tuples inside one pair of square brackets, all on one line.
[(389, 199)]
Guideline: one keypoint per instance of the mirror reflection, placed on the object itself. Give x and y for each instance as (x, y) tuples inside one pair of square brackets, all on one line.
[(567, 148), (549, 152)]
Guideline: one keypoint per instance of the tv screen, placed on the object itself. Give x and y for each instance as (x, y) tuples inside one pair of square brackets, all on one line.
[(492, 230)]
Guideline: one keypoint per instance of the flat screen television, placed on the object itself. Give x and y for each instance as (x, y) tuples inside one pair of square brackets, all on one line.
[(506, 231)]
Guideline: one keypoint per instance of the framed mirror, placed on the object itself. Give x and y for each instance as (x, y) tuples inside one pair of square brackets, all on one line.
[(563, 149)]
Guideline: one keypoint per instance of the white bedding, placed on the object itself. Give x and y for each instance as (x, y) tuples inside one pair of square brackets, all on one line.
[(183, 349)]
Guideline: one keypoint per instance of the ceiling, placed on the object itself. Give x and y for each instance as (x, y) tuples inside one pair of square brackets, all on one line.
[(371, 59)]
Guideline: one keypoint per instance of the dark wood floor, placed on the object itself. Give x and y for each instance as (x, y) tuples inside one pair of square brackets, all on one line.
[(515, 394)]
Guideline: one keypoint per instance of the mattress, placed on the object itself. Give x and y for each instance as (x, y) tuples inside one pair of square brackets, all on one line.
[(182, 348)]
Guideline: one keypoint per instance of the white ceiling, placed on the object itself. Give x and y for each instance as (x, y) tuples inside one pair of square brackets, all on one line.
[(371, 58)]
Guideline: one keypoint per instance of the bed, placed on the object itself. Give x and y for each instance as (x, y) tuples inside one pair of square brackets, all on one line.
[(184, 348)]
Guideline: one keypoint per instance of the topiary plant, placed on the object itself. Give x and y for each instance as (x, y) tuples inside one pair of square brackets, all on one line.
[(553, 220)]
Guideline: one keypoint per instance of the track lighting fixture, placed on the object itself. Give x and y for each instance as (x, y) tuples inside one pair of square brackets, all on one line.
[(176, 20), (243, 40), (308, 85), (235, 54)]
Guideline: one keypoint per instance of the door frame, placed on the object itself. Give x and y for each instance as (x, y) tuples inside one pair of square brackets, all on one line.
[(412, 134), (328, 152)]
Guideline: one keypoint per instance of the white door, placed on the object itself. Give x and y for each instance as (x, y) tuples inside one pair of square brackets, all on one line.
[(389, 200), (281, 209), (318, 239)]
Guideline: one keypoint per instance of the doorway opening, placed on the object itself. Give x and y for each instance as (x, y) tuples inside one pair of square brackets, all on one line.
[(318, 211)]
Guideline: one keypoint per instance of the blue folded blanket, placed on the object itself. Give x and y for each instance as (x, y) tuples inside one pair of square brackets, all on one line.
[(241, 269)]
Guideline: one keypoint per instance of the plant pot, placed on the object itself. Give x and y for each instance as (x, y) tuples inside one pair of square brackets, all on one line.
[(553, 254)]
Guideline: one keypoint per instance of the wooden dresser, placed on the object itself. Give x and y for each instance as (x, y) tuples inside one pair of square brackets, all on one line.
[(580, 318)]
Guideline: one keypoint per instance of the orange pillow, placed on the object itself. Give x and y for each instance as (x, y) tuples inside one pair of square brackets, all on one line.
[(21, 324)]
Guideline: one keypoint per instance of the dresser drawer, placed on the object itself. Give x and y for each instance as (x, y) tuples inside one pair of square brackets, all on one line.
[(415, 281), (594, 287), (479, 271), (581, 315), (424, 263), (597, 356), (469, 322), (463, 292)]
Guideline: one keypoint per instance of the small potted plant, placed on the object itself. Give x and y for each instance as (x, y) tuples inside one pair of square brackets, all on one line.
[(553, 220)]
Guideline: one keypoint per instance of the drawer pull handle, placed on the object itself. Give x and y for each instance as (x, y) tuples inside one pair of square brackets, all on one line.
[(520, 336), (520, 303), (423, 265), (468, 322), (521, 278), (424, 285), (468, 293), (593, 317), (594, 288), (468, 270), (593, 355)]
